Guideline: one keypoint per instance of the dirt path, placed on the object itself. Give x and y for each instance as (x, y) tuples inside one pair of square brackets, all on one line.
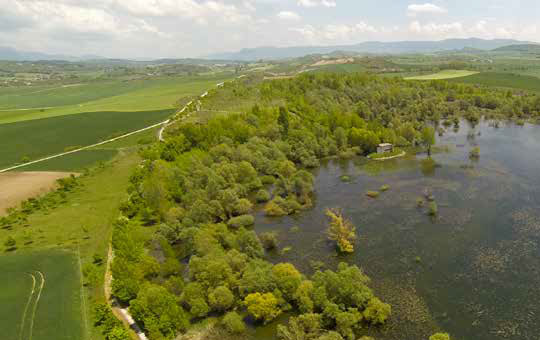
[(121, 314)]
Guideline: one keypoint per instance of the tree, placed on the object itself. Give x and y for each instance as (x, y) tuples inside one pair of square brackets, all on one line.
[(428, 138), (341, 230), (221, 298), (377, 311), (283, 120), (262, 306), (287, 278), (233, 323)]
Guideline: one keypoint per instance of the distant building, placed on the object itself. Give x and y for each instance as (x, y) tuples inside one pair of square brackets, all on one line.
[(385, 147)]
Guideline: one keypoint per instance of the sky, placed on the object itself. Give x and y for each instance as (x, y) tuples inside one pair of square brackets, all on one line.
[(191, 28)]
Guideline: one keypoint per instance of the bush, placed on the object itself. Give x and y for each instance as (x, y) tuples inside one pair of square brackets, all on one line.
[(233, 323), (385, 188), (433, 209), (242, 206), (263, 196), (341, 230), (372, 194), (275, 207), (440, 336), (269, 240), (241, 221), (474, 153)]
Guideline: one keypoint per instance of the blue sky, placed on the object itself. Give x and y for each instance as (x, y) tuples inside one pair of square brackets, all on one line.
[(189, 28)]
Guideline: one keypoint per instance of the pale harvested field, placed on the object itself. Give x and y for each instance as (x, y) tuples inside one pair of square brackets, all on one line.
[(333, 61), (15, 187)]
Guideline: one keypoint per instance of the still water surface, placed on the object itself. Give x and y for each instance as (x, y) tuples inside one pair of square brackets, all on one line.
[(473, 271)]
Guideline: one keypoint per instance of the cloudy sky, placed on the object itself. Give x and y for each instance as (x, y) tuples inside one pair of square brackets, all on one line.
[(189, 28)]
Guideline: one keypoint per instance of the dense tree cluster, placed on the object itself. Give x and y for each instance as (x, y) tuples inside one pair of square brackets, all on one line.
[(194, 195)]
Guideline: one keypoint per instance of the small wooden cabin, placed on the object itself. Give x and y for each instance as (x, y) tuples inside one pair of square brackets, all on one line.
[(385, 147)]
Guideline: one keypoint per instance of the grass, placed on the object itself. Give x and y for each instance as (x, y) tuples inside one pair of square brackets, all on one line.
[(446, 74), (53, 314), (505, 80), (84, 222), (394, 153), (42, 137)]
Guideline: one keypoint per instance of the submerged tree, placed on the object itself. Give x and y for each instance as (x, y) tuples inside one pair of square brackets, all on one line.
[(341, 230), (428, 138)]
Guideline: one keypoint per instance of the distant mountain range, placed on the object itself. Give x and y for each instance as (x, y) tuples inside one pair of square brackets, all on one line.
[(8, 53), (373, 47), (275, 53)]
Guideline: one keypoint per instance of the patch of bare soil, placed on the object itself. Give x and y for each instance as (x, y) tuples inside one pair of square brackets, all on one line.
[(15, 187), (333, 61)]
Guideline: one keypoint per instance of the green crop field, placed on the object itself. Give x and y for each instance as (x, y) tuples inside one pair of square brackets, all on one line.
[(446, 74), (42, 137), (73, 162), (508, 80), (53, 311), (27, 103)]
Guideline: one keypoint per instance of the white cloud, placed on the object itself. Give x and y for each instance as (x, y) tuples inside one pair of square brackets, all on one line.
[(339, 33), (432, 29), (317, 3), (427, 8), (287, 15)]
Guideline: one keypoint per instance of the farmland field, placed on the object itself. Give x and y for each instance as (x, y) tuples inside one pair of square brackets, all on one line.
[(42, 137), (446, 74), (17, 104), (76, 161), (17, 186), (53, 311), (507, 80)]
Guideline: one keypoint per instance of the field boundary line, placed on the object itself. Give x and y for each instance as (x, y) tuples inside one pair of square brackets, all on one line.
[(84, 147), (21, 333), (36, 304), (83, 297)]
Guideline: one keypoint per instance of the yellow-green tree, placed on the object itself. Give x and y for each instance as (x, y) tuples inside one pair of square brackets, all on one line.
[(262, 306), (341, 230)]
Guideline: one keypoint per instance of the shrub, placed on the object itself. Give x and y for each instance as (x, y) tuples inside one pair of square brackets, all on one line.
[(242, 206), (372, 194), (385, 187), (233, 323), (341, 230), (474, 153), (345, 178), (263, 196), (420, 202), (10, 243), (433, 209), (440, 336), (275, 207), (269, 240), (241, 221)]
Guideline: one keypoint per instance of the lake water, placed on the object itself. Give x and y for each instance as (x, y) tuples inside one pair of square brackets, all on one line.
[(473, 271)]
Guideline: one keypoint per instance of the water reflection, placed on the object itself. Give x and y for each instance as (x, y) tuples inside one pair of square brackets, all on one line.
[(473, 269)]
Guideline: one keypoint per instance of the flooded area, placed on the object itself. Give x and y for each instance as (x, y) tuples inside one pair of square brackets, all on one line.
[(472, 270)]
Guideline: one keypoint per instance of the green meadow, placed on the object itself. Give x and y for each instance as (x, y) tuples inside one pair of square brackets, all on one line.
[(40, 307), (505, 80)]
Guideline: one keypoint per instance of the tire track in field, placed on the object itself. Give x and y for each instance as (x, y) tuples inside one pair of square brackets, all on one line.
[(23, 321), (36, 303)]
